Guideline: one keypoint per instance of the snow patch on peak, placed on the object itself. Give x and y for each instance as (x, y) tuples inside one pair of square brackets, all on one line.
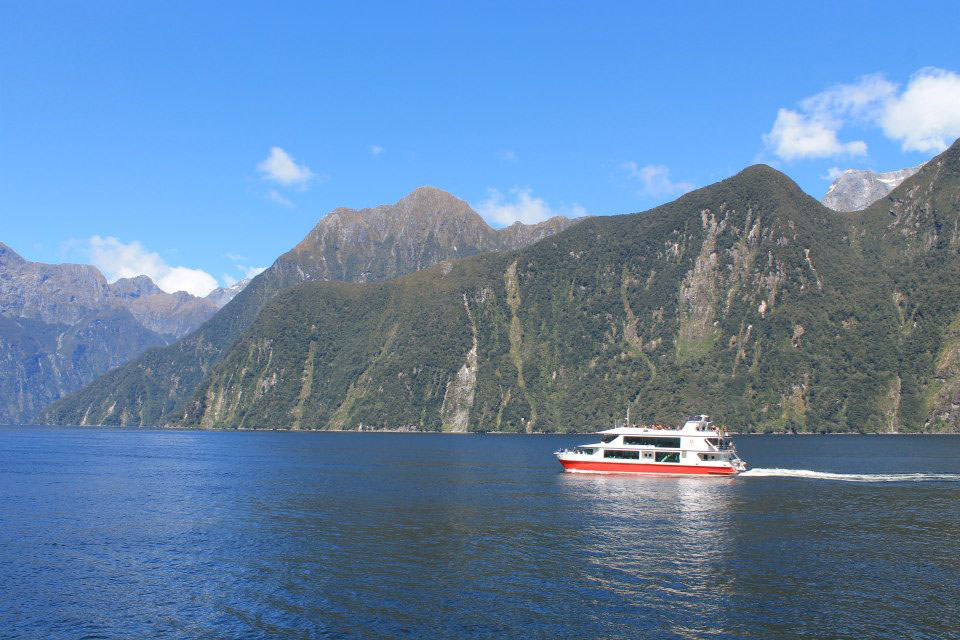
[(857, 189)]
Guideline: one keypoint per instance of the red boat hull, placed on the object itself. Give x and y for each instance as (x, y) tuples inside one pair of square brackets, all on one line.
[(661, 469)]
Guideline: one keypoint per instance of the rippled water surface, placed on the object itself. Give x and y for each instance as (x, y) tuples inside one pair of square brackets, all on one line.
[(112, 533)]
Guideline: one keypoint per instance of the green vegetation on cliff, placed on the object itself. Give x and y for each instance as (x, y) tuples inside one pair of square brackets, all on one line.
[(746, 299)]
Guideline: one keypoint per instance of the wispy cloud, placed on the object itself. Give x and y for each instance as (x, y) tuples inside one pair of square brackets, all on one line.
[(117, 260), (275, 196), (246, 273), (522, 207), (509, 155), (375, 149), (833, 173), (250, 272), (280, 167), (655, 181), (923, 116)]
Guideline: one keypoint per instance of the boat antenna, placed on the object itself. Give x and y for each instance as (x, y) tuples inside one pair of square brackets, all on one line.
[(628, 414)]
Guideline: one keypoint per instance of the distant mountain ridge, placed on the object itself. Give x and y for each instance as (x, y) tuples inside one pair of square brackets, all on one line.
[(222, 295), (66, 293), (423, 229), (747, 298), (62, 325), (857, 189)]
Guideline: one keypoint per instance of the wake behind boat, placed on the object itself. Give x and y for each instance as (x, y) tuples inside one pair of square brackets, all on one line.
[(697, 448)]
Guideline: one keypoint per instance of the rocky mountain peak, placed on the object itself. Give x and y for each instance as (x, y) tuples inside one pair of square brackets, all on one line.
[(857, 189), (135, 287), (222, 295), (425, 227), (8, 256)]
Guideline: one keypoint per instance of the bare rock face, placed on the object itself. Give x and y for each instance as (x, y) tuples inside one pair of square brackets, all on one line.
[(64, 324), (857, 189), (425, 228), (68, 293)]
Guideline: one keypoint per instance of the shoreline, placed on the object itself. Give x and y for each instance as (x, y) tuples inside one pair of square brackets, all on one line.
[(451, 433)]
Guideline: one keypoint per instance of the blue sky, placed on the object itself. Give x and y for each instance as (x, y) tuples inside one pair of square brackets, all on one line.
[(150, 136)]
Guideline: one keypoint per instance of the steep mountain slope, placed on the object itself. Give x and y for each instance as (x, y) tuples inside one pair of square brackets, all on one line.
[(64, 324), (856, 189), (370, 245), (41, 362), (743, 298), (914, 233), (747, 299)]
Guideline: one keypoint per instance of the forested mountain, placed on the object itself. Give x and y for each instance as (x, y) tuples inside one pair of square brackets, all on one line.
[(747, 299), (426, 227)]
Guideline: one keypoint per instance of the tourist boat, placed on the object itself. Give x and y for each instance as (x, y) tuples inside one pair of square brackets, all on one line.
[(697, 448)]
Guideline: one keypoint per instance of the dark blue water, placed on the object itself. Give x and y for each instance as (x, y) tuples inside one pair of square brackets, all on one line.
[(133, 534)]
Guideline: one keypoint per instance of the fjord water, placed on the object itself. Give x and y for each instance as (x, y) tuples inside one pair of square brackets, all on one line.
[(133, 533)]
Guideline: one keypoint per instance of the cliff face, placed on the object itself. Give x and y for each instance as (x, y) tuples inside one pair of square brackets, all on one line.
[(423, 229), (64, 325), (857, 189)]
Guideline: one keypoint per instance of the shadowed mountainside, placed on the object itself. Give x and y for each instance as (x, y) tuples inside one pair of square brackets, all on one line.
[(62, 325)]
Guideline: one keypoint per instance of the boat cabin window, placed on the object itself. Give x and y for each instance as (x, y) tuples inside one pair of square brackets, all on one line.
[(622, 455), (668, 456), (609, 438), (650, 441), (584, 450)]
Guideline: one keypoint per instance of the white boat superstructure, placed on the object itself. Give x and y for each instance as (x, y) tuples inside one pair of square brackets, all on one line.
[(697, 448)]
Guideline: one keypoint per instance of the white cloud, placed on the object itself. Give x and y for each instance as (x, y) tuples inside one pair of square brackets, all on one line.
[(509, 155), (281, 168), (127, 260), (375, 149), (833, 173), (250, 272), (861, 99), (523, 208), (655, 180), (797, 135), (246, 273), (926, 116), (275, 196)]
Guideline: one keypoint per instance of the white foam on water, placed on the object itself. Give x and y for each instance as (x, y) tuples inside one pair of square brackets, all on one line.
[(851, 477)]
